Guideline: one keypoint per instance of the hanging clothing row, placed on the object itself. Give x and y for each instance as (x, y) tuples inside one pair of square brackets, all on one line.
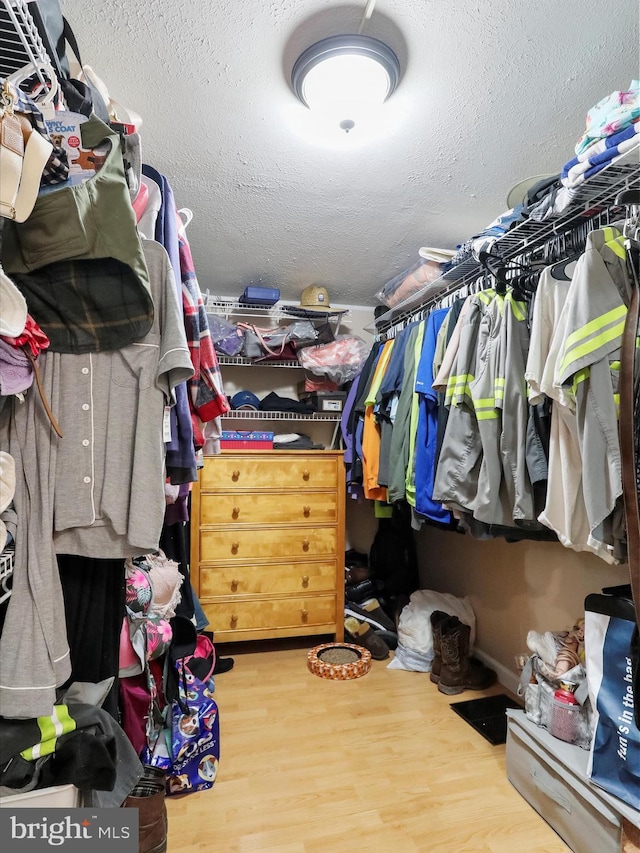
[(128, 376), (497, 414)]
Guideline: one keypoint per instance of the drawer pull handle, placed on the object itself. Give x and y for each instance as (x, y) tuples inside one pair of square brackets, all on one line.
[(235, 475), (234, 619), (305, 580), (234, 585), (307, 511), (235, 512), (305, 475), (304, 614), (234, 547), (305, 544)]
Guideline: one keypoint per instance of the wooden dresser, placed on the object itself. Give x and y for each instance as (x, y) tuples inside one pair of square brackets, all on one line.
[(267, 543)]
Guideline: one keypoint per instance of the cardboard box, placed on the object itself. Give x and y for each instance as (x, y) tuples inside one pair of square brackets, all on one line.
[(246, 440)]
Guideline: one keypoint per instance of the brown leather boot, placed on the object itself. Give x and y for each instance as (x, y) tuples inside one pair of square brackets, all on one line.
[(457, 673), (148, 797), (438, 619)]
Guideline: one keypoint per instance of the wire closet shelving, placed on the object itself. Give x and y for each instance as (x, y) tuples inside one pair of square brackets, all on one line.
[(593, 197)]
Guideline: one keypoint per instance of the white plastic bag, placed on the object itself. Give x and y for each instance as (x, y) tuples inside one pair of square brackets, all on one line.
[(414, 627)]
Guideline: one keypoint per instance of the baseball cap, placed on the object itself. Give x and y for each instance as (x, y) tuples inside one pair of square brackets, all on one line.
[(245, 400), (518, 193), (315, 298)]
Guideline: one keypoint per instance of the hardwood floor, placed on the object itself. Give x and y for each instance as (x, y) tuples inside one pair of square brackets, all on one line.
[(379, 764)]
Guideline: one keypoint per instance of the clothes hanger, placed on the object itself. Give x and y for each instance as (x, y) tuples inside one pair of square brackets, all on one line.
[(46, 102)]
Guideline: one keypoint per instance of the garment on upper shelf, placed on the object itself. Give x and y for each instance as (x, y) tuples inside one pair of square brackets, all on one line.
[(600, 155), (610, 115)]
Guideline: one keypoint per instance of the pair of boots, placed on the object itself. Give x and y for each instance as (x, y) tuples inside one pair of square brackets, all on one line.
[(453, 670), (148, 797)]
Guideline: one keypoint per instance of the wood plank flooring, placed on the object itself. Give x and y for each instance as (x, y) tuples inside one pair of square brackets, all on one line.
[(379, 764)]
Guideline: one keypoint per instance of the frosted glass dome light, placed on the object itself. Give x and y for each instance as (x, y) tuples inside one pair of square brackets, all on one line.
[(344, 77)]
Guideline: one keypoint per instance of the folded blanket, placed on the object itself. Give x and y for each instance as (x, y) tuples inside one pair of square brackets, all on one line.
[(609, 151), (610, 115)]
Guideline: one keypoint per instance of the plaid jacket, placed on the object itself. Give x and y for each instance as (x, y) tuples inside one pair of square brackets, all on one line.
[(206, 392)]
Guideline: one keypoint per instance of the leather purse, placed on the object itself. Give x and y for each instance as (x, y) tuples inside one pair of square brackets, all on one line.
[(23, 155), (259, 343)]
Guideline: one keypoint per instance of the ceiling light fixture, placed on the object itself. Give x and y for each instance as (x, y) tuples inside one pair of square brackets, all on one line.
[(345, 77)]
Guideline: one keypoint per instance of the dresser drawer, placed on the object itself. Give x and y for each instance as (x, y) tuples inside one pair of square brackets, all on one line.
[(221, 473), (274, 579), (258, 543), (273, 614), (272, 508)]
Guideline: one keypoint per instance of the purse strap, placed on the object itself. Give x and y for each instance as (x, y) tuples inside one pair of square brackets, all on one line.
[(627, 443), (260, 333)]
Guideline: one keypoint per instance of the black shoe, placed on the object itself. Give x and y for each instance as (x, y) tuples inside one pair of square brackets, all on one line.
[(378, 619), (361, 591), (223, 665)]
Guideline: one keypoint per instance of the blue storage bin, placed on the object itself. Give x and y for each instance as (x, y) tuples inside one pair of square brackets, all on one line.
[(260, 296)]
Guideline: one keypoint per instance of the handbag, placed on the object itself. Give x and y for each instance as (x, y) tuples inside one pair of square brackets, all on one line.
[(259, 343)]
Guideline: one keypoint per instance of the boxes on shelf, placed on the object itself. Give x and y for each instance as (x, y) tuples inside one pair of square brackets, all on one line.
[(324, 401), (266, 296), (249, 439)]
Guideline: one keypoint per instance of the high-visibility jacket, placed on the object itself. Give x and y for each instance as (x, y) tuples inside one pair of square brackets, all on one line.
[(587, 369)]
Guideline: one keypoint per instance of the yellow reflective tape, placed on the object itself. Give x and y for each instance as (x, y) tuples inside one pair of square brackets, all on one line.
[(488, 416), (617, 246), (580, 376), (486, 297), (518, 308), (615, 365), (595, 325), (499, 381), (65, 719), (592, 345)]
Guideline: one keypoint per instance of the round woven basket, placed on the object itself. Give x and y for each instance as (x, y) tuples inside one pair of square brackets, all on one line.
[(339, 661)]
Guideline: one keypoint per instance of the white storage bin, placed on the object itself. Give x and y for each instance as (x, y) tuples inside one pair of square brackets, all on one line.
[(552, 776), (62, 796)]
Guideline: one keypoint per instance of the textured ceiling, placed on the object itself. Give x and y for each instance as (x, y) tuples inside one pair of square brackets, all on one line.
[(491, 92)]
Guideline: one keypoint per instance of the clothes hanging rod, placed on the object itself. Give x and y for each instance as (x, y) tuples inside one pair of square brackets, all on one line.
[(600, 192)]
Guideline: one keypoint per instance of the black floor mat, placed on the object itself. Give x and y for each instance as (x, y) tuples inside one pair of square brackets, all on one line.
[(487, 716)]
